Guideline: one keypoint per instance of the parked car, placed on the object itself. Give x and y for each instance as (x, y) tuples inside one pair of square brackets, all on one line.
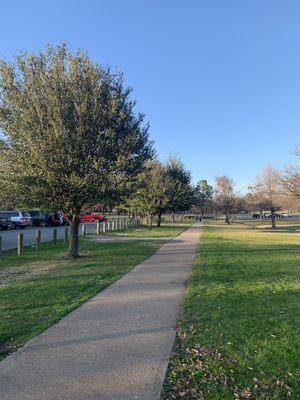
[(276, 215), (52, 219), (256, 216), (18, 219), (91, 217), (5, 223), (63, 219), (37, 217)]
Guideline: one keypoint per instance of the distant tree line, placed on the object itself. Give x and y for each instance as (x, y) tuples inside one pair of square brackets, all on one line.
[(272, 191)]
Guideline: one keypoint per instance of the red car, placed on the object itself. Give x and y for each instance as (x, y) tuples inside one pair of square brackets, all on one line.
[(91, 217)]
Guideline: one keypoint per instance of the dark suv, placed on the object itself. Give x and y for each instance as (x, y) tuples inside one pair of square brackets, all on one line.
[(37, 217), (4, 223)]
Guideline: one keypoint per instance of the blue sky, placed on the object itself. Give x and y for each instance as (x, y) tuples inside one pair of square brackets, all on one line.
[(219, 81)]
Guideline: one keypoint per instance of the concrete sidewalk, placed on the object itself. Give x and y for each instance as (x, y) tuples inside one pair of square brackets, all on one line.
[(114, 347)]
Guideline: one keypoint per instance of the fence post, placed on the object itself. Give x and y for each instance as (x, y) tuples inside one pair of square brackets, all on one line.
[(37, 240), (83, 230), (98, 228), (54, 236), (20, 244), (0, 245), (104, 227), (66, 235)]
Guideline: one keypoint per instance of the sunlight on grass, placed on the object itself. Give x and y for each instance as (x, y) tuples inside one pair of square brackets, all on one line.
[(239, 332)]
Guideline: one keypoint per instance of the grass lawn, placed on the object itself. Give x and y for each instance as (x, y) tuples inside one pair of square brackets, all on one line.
[(239, 331), (169, 230), (39, 288)]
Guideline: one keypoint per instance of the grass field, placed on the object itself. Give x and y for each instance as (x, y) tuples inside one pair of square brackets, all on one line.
[(39, 288), (239, 332), (169, 230)]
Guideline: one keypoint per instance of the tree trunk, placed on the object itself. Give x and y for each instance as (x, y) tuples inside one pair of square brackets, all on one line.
[(159, 219), (273, 219), (227, 219), (73, 243), (173, 217), (261, 217), (150, 222)]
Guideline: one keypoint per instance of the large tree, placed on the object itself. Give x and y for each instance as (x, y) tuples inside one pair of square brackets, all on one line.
[(151, 196), (72, 136), (224, 196), (203, 197), (180, 192), (268, 192)]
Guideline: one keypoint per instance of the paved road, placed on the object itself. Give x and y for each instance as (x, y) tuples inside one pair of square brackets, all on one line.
[(114, 347), (10, 238)]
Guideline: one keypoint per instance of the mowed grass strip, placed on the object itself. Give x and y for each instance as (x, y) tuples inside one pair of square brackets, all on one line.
[(169, 230), (39, 288), (239, 332)]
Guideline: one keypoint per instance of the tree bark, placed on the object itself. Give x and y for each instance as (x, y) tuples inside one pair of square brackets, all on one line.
[(150, 222), (227, 219), (173, 217), (261, 217), (73, 243), (159, 219), (273, 219)]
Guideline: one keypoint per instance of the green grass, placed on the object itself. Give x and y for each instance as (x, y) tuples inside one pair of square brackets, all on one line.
[(165, 231), (239, 331), (39, 288)]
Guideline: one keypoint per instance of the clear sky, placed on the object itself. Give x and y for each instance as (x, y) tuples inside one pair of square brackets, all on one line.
[(219, 81)]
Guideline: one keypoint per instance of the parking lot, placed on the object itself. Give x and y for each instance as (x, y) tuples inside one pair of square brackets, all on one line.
[(10, 237)]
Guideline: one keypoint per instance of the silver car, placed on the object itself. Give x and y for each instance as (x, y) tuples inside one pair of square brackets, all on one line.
[(19, 219)]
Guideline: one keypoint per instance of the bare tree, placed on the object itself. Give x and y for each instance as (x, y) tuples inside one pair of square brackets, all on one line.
[(224, 196), (267, 191), (290, 180)]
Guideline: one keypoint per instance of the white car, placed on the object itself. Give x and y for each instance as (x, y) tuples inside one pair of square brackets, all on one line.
[(19, 219)]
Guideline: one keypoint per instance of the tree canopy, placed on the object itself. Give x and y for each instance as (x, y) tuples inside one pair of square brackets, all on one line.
[(203, 197), (151, 196), (72, 135), (180, 193)]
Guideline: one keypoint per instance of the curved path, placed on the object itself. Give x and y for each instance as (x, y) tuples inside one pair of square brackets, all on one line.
[(116, 346)]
